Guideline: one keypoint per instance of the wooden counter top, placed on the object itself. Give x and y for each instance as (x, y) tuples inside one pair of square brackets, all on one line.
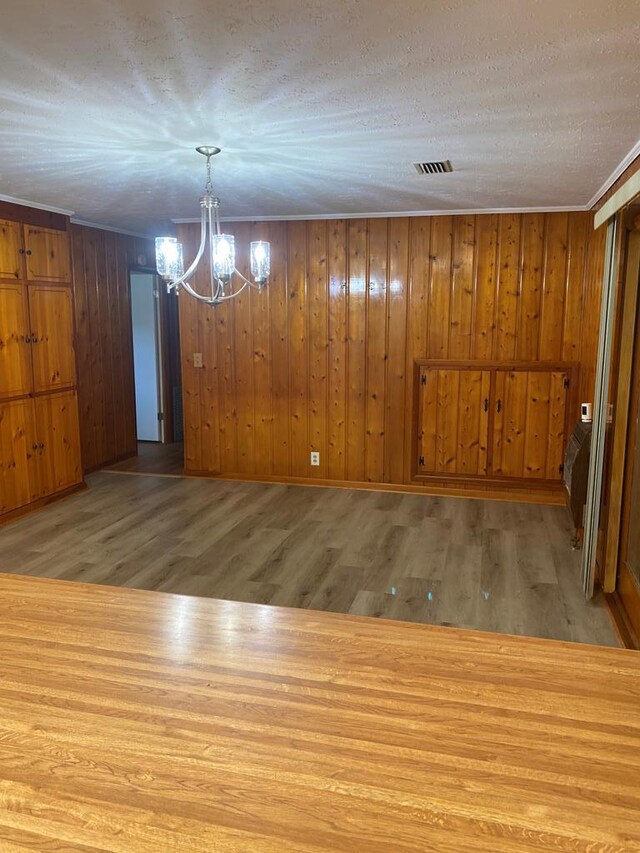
[(137, 721)]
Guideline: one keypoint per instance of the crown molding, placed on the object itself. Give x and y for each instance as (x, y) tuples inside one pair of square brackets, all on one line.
[(391, 214), (83, 222), (613, 177), (36, 205)]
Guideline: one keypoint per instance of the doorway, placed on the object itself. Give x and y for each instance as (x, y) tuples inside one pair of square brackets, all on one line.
[(157, 376), (147, 356)]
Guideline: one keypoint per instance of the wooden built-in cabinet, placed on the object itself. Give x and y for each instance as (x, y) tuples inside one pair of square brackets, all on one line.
[(39, 433), (492, 421)]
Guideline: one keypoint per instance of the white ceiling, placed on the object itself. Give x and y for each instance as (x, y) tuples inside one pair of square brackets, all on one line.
[(320, 106)]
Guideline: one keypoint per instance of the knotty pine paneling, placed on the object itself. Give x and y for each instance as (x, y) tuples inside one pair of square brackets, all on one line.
[(106, 398), (323, 358)]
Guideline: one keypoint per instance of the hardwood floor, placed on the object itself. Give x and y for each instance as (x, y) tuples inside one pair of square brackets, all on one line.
[(133, 722), (153, 458), (487, 565)]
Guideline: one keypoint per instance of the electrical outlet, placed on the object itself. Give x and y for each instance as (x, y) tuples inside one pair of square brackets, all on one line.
[(197, 359), (315, 457)]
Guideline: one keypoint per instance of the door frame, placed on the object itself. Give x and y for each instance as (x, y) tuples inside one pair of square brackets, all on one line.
[(160, 347)]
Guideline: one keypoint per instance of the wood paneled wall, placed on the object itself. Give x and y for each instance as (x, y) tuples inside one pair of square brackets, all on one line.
[(323, 359), (101, 262)]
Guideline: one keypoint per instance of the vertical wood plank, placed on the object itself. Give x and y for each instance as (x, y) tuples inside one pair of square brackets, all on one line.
[(462, 287), (243, 355), (553, 294), (277, 293), (337, 413), (376, 348), (318, 341), (417, 326), (537, 424), (448, 414), (394, 429), (224, 338), (574, 291), (428, 420), (298, 348), (556, 425), (261, 366), (508, 287), (440, 287), (485, 285), (356, 354), (532, 258)]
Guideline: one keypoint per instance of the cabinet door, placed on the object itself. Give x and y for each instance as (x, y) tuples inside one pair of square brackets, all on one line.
[(11, 251), (529, 424), (17, 458), (15, 357), (58, 441), (453, 421), (51, 320), (47, 254)]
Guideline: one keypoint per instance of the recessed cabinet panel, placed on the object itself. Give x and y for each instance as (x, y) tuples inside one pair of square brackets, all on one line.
[(58, 442), (47, 254), (17, 459), (454, 408), (11, 250), (529, 424), (15, 355), (51, 314)]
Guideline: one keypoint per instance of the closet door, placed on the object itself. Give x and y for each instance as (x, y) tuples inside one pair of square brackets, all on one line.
[(58, 442), (17, 456), (15, 355), (51, 319), (11, 251), (529, 424), (453, 421), (47, 254)]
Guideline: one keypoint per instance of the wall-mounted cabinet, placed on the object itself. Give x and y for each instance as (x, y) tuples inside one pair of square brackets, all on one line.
[(39, 431), (34, 254), (492, 421)]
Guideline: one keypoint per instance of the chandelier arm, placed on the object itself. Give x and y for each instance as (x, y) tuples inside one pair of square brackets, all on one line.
[(247, 282), (189, 272), (232, 295)]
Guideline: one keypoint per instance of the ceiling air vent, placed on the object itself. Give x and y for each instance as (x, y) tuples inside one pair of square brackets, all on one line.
[(433, 168)]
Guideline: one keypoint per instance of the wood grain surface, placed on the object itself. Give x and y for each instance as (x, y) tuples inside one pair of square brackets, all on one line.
[(323, 360), (101, 263), (134, 721)]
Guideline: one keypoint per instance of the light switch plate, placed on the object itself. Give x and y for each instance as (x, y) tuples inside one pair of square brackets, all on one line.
[(197, 359)]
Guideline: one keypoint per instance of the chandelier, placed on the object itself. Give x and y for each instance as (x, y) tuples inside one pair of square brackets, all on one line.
[(222, 252)]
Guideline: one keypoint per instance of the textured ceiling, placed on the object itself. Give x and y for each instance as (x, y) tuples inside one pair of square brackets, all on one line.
[(320, 106)]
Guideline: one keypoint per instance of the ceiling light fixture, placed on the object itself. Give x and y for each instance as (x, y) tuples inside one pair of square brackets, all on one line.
[(222, 252)]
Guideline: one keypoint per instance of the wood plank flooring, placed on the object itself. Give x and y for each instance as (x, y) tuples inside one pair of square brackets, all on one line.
[(154, 458), (132, 722), (487, 565)]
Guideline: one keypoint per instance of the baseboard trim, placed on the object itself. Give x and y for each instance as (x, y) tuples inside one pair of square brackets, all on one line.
[(521, 495), (621, 623), (41, 503)]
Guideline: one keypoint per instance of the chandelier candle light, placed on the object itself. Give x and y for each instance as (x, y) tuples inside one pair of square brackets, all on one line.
[(222, 252)]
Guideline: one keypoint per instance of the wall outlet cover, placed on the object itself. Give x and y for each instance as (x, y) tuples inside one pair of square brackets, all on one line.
[(315, 457)]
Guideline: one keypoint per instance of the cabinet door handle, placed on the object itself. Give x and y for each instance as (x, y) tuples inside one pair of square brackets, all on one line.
[(27, 339), (34, 446), (499, 406), (28, 252), (486, 404), (34, 338), (41, 446), (21, 251)]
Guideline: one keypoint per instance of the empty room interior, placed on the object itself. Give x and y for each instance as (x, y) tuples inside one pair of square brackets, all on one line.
[(320, 426)]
